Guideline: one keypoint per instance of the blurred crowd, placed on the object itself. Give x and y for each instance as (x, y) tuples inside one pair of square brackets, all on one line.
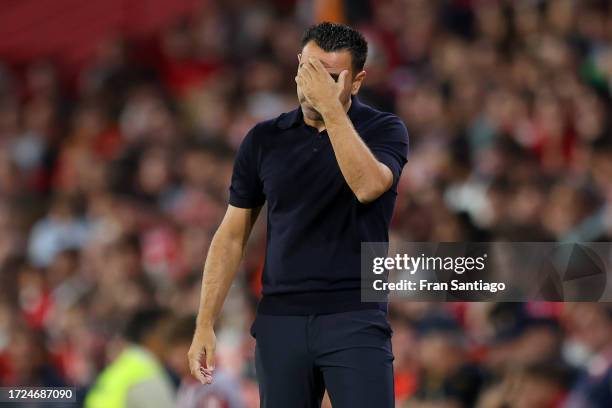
[(113, 180)]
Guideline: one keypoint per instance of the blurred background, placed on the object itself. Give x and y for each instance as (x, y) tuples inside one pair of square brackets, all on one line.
[(119, 121)]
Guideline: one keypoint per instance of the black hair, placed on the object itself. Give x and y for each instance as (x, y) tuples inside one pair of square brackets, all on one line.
[(337, 37), (143, 322), (180, 330)]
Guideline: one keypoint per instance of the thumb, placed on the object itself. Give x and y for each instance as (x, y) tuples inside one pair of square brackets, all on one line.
[(210, 358), (194, 367), (342, 79)]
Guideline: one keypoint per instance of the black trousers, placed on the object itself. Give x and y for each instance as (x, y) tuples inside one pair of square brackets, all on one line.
[(349, 354)]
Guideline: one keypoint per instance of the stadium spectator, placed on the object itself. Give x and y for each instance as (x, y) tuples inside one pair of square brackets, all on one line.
[(114, 173)]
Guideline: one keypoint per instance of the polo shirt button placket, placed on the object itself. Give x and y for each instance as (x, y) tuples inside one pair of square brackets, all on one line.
[(318, 142)]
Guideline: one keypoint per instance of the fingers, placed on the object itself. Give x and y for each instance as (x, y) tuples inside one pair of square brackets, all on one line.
[(202, 374), (196, 368), (206, 375), (314, 69), (316, 65), (343, 78), (210, 358), (305, 72), (302, 82), (210, 364)]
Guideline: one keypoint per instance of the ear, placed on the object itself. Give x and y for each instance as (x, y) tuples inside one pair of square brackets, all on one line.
[(299, 58), (356, 85)]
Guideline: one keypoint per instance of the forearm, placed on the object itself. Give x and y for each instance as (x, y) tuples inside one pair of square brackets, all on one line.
[(220, 268), (365, 175)]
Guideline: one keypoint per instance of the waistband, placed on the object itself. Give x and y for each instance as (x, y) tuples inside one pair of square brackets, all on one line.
[(309, 303)]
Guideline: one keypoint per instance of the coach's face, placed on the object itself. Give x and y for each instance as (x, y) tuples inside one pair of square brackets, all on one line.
[(335, 62)]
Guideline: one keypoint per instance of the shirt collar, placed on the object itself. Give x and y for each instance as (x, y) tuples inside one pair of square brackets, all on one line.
[(296, 117)]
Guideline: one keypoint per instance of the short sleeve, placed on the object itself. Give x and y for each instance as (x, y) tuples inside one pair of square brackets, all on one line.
[(389, 144), (246, 189)]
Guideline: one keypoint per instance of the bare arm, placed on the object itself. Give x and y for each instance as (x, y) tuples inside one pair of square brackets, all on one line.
[(224, 257), (366, 176)]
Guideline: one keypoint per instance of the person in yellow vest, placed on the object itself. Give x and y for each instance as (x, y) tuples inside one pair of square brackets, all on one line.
[(136, 378)]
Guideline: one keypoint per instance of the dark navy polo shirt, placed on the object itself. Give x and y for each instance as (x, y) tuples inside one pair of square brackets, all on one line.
[(315, 222)]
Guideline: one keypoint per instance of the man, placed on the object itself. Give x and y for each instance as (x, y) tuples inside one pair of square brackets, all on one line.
[(136, 378), (448, 382), (592, 327), (328, 171), (225, 392)]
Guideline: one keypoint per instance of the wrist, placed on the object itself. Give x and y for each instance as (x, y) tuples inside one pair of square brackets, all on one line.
[(331, 108), (204, 323)]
